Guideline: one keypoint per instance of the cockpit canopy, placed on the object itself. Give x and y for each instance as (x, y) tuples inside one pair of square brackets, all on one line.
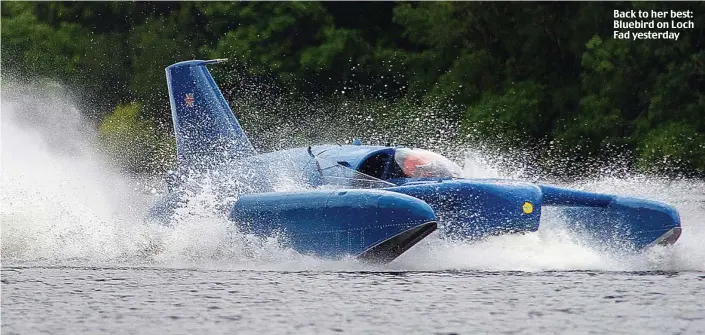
[(384, 165), (419, 163)]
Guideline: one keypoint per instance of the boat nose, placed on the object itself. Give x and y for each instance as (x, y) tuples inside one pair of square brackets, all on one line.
[(670, 237)]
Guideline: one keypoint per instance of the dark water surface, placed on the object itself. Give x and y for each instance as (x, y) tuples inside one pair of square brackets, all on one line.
[(186, 301)]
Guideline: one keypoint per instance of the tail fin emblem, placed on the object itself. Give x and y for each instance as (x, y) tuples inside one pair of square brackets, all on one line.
[(189, 100), (204, 124)]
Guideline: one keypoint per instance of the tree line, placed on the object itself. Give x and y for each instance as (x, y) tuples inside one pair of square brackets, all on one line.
[(544, 77)]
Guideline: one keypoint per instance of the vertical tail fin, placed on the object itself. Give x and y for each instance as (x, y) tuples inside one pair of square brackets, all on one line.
[(204, 125)]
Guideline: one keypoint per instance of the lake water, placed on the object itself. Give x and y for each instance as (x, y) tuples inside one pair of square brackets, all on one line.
[(77, 258), (186, 301)]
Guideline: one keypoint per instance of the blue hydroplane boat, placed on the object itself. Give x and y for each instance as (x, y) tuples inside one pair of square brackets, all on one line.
[(374, 202)]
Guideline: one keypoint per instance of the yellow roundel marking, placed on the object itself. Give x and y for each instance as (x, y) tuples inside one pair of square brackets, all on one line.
[(527, 207)]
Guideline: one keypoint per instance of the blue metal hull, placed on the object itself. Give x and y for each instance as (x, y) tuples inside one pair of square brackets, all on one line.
[(616, 221), (338, 223)]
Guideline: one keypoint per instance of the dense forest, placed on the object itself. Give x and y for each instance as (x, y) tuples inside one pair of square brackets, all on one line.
[(547, 78)]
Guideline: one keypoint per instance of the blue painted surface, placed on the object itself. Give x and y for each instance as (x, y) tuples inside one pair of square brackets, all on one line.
[(616, 220), (355, 196), (477, 208), (331, 223), (204, 125)]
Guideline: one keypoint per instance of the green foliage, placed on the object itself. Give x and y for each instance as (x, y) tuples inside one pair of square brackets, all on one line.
[(516, 114), (519, 74), (62, 50), (671, 147), (134, 142)]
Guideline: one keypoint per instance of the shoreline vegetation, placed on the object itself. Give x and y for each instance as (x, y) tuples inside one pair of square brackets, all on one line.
[(546, 80)]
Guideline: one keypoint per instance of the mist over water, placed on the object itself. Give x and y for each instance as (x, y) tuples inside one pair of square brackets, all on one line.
[(64, 203), (61, 199)]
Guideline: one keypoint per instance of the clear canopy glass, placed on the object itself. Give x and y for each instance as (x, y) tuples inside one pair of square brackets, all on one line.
[(419, 163)]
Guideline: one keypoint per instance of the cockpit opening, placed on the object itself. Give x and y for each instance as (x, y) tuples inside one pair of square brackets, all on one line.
[(409, 163), (375, 165)]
